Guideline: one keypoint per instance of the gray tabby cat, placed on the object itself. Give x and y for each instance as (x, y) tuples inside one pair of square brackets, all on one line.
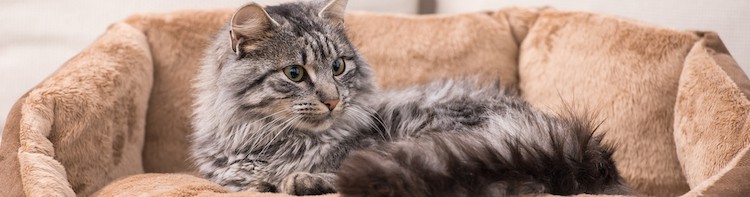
[(283, 99)]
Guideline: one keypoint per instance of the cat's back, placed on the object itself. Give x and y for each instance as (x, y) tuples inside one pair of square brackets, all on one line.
[(449, 105)]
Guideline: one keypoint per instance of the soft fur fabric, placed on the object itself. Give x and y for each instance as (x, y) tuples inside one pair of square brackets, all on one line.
[(730, 181), (161, 185), (63, 136), (407, 50), (10, 172), (83, 127), (709, 134), (625, 71), (169, 185)]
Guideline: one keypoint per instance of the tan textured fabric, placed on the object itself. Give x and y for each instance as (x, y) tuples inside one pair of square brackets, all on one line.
[(626, 73), (161, 185), (10, 174), (721, 57), (127, 96), (520, 20), (731, 181), (418, 49), (83, 127), (712, 123), (169, 185), (734, 181)]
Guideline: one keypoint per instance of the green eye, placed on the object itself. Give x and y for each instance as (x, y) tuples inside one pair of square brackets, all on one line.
[(294, 73), (339, 66)]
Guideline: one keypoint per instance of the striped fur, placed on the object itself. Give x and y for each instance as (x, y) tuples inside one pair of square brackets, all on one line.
[(455, 139), (256, 129)]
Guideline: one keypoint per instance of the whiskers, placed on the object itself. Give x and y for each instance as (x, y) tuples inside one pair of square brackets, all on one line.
[(248, 136), (366, 115), (242, 130), (259, 137), (286, 125)]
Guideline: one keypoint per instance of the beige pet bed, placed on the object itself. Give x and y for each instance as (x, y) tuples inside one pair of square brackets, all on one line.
[(675, 102)]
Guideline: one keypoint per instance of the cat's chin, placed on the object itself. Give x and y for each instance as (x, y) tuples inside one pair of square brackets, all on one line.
[(316, 124), (316, 127)]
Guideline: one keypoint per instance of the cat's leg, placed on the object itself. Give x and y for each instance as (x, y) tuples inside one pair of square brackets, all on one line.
[(305, 183)]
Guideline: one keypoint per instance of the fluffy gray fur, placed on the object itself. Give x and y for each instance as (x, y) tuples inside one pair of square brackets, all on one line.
[(255, 129), (258, 129)]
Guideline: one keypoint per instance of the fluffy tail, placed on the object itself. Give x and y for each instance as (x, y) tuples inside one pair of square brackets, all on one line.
[(569, 160)]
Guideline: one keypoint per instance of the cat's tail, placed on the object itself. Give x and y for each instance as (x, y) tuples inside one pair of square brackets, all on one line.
[(569, 160)]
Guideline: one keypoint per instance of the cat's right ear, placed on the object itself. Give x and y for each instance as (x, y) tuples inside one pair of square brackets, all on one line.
[(249, 23)]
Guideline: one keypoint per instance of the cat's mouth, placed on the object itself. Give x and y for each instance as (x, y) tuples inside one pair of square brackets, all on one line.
[(321, 117), (316, 118), (317, 122)]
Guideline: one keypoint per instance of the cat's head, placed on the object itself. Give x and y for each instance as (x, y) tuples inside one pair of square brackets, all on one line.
[(292, 62)]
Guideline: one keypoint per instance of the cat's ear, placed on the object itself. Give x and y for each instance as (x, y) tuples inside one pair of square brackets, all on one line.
[(334, 11), (249, 23)]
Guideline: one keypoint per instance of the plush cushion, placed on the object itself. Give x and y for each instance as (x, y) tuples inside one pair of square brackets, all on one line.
[(83, 127), (122, 106), (174, 185), (711, 114), (624, 72)]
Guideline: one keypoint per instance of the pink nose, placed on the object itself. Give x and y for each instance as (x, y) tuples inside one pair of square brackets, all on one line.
[(331, 104)]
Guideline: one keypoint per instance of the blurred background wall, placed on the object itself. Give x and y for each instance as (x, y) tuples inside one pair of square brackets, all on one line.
[(37, 36)]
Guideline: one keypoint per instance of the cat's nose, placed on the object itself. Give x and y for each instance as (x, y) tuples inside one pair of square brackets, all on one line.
[(331, 104)]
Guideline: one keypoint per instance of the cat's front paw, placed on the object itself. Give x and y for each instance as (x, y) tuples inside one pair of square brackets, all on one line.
[(304, 183), (263, 187), (255, 186)]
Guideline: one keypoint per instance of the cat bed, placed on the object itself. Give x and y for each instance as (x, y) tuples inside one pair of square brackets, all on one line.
[(118, 114)]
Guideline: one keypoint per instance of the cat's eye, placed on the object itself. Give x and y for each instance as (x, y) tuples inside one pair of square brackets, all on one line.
[(294, 73), (339, 66)]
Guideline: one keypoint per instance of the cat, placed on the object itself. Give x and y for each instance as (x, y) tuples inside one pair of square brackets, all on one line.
[(283, 98), (271, 109)]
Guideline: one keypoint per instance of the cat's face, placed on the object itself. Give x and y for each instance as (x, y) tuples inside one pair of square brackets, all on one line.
[(294, 63)]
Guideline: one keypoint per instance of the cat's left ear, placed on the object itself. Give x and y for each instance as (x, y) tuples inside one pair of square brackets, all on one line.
[(334, 11)]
